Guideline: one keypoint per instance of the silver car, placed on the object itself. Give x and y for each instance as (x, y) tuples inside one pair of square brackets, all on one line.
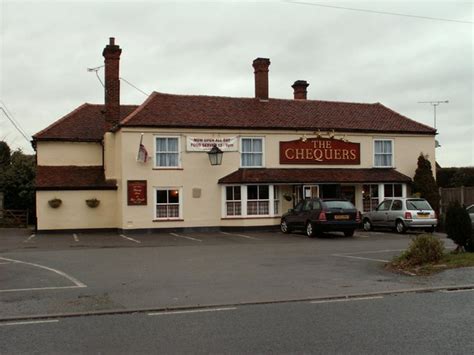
[(470, 210), (401, 214)]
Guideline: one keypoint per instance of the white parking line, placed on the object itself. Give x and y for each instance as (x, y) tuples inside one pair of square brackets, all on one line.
[(359, 257), (192, 311), (186, 237), (350, 299), (5, 263), (372, 252), (70, 278), (39, 288), (30, 322), (131, 239), (76, 239), (29, 238), (456, 291), (241, 235)]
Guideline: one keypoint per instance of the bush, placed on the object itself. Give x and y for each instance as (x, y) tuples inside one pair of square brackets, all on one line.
[(423, 249), (458, 226)]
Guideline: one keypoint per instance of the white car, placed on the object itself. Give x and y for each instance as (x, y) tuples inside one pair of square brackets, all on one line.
[(401, 214)]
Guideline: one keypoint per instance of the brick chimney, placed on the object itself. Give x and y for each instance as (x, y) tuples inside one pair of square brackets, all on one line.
[(261, 77), (299, 89), (111, 54)]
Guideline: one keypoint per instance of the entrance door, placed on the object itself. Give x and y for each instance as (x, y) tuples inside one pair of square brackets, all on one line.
[(310, 191)]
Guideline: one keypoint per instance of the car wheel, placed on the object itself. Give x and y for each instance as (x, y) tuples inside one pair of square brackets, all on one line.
[(367, 225), (284, 227), (310, 230), (349, 233), (400, 227)]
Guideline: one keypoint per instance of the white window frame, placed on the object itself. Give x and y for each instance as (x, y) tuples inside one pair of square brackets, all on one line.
[(156, 166), (393, 152), (258, 200), (263, 151), (180, 202), (244, 200), (226, 201)]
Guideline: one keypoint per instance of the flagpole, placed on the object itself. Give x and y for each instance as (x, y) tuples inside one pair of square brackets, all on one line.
[(139, 145)]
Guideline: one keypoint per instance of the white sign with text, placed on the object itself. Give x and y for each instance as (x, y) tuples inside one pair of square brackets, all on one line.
[(197, 144)]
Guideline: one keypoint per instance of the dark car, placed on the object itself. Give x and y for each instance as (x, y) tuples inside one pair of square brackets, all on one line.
[(317, 215)]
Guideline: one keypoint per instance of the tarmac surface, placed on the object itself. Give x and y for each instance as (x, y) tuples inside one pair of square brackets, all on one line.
[(73, 273)]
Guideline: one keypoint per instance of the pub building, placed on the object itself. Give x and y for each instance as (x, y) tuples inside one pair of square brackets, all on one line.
[(187, 161)]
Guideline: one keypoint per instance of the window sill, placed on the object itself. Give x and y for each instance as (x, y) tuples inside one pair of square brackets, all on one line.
[(383, 167), (249, 217), (164, 168), (168, 220)]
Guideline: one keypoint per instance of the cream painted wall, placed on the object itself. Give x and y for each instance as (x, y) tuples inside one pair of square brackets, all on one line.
[(69, 153), (73, 212), (196, 172)]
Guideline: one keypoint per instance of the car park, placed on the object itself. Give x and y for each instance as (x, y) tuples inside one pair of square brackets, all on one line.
[(401, 214), (317, 215)]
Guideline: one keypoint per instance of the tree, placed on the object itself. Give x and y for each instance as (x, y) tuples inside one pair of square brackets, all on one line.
[(4, 155), (424, 183), (17, 180)]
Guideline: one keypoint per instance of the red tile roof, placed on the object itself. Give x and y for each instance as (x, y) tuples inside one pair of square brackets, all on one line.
[(287, 175), (167, 110), (72, 178), (86, 123)]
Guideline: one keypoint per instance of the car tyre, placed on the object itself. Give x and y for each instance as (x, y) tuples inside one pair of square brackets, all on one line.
[(310, 232), (284, 227), (400, 227), (349, 233), (367, 225)]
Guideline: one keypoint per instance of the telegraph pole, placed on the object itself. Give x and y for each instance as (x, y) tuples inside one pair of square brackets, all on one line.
[(434, 104)]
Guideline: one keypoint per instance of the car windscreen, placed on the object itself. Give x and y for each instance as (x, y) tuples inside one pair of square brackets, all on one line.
[(418, 205), (339, 205)]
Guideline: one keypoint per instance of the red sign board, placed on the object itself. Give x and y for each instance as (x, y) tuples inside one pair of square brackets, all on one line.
[(320, 151), (136, 192)]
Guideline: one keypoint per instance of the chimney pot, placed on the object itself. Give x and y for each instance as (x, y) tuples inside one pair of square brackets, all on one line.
[(111, 55), (260, 66), (299, 89)]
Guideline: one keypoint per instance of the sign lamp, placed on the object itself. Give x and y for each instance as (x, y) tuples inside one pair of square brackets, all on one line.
[(215, 155)]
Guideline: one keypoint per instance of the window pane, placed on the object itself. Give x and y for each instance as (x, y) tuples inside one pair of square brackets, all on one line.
[(387, 147), (378, 147), (247, 159), (237, 193), (229, 193), (257, 145), (173, 159), (397, 205), (252, 192), (257, 160), (173, 196), (161, 196), (378, 160), (263, 192), (388, 190), (397, 190), (161, 144), (246, 145), (172, 144)]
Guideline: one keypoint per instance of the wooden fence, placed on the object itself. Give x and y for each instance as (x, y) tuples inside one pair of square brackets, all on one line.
[(13, 218), (464, 195)]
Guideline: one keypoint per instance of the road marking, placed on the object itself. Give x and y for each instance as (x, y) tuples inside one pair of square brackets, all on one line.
[(360, 258), (39, 288), (30, 322), (76, 239), (70, 278), (186, 237), (241, 235), (133, 240), (29, 238), (456, 291), (348, 299), (372, 252), (193, 311)]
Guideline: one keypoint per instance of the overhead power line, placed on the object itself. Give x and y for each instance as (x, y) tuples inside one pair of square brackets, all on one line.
[(376, 12), (96, 71), (133, 86), (17, 127)]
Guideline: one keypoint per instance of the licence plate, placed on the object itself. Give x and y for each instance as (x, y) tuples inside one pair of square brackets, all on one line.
[(423, 215), (341, 216)]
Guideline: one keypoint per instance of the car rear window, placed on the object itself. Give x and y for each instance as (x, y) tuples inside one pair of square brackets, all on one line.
[(339, 204), (418, 205)]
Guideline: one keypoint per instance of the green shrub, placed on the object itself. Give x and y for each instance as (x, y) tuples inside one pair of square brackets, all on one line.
[(458, 225), (423, 249)]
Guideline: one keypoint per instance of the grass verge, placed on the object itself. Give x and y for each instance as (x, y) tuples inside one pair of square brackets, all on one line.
[(450, 260)]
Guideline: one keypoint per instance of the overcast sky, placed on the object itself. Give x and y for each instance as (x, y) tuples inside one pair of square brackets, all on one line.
[(207, 48)]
